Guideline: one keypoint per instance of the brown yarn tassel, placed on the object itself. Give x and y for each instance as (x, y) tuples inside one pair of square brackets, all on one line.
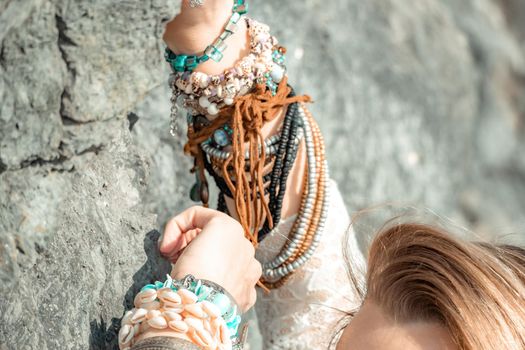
[(247, 115)]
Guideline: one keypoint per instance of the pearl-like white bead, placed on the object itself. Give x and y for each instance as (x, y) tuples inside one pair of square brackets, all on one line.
[(277, 73), (213, 109), (204, 102)]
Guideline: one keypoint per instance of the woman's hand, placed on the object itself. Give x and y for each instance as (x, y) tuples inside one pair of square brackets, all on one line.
[(210, 245)]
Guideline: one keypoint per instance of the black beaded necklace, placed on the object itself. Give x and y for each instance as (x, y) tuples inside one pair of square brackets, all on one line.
[(284, 160)]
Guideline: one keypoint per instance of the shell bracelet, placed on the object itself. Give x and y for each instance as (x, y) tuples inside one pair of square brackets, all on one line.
[(199, 309)]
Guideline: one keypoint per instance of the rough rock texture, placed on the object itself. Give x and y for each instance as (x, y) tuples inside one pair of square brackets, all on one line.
[(76, 237), (421, 103)]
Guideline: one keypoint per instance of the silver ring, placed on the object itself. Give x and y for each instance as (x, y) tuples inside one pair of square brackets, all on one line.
[(196, 3)]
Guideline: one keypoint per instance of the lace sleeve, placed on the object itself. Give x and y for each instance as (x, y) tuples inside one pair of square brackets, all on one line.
[(305, 312)]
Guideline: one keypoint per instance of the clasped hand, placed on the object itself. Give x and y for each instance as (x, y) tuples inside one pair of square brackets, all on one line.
[(211, 245)]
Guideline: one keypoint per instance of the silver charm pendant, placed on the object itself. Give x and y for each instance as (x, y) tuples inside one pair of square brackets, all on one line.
[(196, 3)]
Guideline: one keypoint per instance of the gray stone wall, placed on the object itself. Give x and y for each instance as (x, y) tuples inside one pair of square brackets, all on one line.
[(76, 239), (421, 104)]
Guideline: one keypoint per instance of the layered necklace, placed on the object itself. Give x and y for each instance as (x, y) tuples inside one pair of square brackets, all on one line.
[(225, 114)]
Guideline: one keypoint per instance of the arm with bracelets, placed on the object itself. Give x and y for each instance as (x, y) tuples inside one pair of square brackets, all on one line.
[(200, 305), (253, 135)]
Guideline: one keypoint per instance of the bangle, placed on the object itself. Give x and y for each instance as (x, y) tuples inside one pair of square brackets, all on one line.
[(187, 63), (202, 310)]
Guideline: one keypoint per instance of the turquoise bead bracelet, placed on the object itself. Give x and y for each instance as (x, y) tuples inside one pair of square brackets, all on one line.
[(209, 291), (215, 51)]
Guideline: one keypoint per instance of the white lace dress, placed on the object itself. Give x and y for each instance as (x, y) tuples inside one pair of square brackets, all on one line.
[(304, 313)]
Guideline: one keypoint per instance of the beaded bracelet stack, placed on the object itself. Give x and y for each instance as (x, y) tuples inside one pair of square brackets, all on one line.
[(202, 94), (200, 310)]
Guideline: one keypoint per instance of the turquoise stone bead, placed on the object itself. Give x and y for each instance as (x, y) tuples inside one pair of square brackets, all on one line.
[(216, 55), (180, 63), (191, 63), (159, 285), (231, 314), (148, 286), (234, 19), (234, 325), (221, 137), (222, 302), (203, 292)]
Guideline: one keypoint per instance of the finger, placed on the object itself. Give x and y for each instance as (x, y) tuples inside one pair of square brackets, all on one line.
[(195, 217), (185, 240), (175, 256), (251, 300), (257, 271)]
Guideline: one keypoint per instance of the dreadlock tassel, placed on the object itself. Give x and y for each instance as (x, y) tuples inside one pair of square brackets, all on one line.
[(247, 116)]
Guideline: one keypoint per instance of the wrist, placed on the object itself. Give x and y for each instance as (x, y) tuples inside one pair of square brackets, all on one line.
[(189, 309), (179, 272), (194, 28)]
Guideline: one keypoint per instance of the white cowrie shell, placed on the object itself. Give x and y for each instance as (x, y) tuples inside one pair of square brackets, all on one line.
[(194, 323), (187, 296), (145, 297), (158, 322), (196, 338), (172, 316), (195, 310), (170, 296), (178, 326), (205, 337), (139, 316), (224, 333), (126, 334), (154, 305), (127, 317), (152, 314), (178, 308), (211, 309), (215, 327)]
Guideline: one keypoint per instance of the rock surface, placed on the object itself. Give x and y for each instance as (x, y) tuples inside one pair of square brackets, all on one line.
[(421, 104), (75, 235)]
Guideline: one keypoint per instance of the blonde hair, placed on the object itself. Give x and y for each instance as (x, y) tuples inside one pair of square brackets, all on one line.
[(477, 291)]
